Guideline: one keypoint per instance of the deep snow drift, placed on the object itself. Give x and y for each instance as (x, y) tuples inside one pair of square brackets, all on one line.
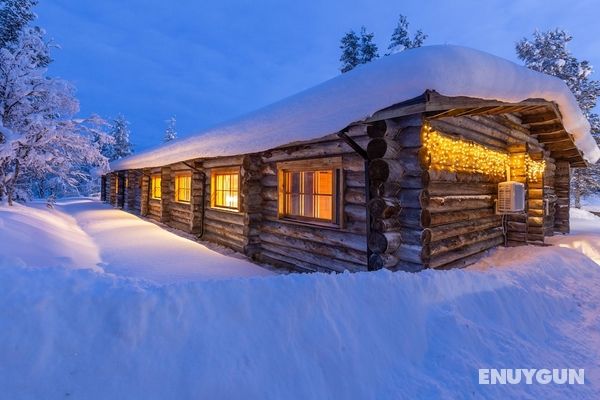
[(356, 95), (83, 233), (83, 334)]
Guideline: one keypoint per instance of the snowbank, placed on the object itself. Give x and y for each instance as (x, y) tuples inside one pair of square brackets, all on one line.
[(43, 237), (584, 236), (84, 335), (84, 233), (354, 96)]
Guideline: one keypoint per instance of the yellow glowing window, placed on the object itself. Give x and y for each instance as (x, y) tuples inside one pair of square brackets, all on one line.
[(183, 188), (309, 195), (117, 184), (155, 191), (225, 188)]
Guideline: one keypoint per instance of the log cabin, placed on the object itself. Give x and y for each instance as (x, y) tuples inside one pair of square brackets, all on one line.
[(396, 164)]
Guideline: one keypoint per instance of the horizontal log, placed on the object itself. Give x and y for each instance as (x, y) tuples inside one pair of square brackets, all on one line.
[(412, 253), (381, 207), (414, 198), (453, 189), (443, 218), (354, 196), (381, 170), (412, 217), (384, 242), (456, 203), (230, 217), (354, 179), (383, 148), (355, 212), (377, 129), (333, 237), (437, 233), (315, 259), (339, 253), (407, 266), (456, 242), (466, 251), (379, 261), (409, 137), (284, 261)]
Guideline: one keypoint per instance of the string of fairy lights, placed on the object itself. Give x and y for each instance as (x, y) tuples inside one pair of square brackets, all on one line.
[(458, 155)]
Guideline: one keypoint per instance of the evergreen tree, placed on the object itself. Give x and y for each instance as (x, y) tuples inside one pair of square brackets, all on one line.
[(357, 50), (547, 52), (170, 132), (401, 38), (368, 49), (121, 146), (350, 45)]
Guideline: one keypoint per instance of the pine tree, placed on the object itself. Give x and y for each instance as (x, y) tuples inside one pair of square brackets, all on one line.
[(170, 132), (357, 50), (401, 38), (350, 45), (368, 49), (548, 53), (121, 147)]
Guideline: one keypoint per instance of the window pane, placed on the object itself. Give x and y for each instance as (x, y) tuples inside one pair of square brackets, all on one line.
[(308, 194), (324, 183), (324, 207), (226, 190)]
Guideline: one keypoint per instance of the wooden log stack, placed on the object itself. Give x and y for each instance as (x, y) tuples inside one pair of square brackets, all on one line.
[(398, 195), (562, 182)]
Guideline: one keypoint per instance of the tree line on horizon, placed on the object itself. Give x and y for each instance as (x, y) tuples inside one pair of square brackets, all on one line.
[(545, 52)]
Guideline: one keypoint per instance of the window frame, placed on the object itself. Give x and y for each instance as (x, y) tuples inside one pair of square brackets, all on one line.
[(333, 164), (213, 187), (179, 175), (154, 177)]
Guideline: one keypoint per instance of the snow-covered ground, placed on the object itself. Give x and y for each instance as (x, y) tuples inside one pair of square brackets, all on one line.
[(84, 233), (85, 334)]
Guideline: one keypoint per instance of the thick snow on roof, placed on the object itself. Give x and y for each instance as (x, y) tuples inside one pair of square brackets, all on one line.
[(358, 94)]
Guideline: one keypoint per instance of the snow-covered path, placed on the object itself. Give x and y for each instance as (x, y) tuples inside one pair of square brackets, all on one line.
[(94, 235)]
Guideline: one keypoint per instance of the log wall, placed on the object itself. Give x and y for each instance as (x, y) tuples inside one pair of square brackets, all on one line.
[(562, 180), (300, 246), (398, 185)]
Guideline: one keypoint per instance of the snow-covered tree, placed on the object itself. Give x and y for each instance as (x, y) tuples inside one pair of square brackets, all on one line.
[(170, 132), (121, 145), (350, 46), (15, 15), (368, 49), (547, 52), (401, 38), (39, 137), (357, 50)]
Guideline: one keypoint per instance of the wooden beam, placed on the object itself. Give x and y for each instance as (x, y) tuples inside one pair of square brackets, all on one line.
[(540, 118)]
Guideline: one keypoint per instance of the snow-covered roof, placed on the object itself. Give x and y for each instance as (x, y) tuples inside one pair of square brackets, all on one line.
[(356, 95)]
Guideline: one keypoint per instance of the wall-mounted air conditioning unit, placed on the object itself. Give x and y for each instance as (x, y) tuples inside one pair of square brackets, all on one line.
[(511, 198)]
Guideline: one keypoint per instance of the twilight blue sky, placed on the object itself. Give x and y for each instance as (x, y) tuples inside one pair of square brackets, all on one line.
[(206, 62)]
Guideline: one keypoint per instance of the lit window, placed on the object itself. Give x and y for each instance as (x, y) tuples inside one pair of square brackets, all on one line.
[(308, 191), (117, 184), (155, 191), (225, 188), (183, 185)]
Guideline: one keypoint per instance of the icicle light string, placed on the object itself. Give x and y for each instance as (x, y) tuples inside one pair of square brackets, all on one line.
[(457, 155)]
